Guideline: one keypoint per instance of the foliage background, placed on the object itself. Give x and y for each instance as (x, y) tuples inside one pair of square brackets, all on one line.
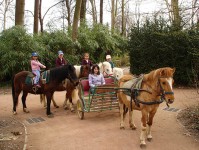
[(16, 46), (157, 45)]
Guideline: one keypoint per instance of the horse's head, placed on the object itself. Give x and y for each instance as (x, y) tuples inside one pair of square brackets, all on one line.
[(165, 82), (84, 71), (118, 72), (105, 67), (72, 75)]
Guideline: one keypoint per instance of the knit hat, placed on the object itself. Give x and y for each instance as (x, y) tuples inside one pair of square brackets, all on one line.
[(60, 52)]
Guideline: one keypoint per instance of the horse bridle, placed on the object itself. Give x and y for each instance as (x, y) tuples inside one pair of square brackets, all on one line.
[(163, 92), (105, 71), (135, 93)]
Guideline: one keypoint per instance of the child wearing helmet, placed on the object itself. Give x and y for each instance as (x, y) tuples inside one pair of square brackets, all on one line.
[(60, 61), (108, 58), (35, 66)]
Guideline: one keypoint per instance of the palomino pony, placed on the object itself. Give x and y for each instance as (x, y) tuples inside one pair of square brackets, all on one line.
[(57, 75), (71, 90), (154, 88)]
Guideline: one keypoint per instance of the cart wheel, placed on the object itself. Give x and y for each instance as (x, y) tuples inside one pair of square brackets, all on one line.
[(80, 110)]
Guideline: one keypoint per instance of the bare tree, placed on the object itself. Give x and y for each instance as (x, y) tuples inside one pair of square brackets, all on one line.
[(94, 12), (169, 10), (36, 17), (41, 19), (101, 11), (176, 15), (19, 12), (83, 11), (6, 9), (194, 11), (76, 19), (112, 14), (123, 19)]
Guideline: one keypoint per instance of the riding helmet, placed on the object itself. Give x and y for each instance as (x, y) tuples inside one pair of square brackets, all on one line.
[(34, 54)]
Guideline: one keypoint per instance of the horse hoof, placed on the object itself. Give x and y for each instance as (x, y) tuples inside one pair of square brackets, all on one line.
[(72, 110), (14, 112), (133, 127), (66, 108), (26, 111), (149, 139), (142, 145), (50, 115), (122, 128)]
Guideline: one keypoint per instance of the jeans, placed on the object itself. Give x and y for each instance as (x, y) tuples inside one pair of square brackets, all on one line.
[(37, 77), (92, 89)]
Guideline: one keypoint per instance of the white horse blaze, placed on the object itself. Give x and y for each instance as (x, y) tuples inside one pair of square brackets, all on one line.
[(169, 80), (77, 70)]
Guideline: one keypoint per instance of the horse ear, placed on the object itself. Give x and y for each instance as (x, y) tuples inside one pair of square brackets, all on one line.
[(162, 72), (174, 69)]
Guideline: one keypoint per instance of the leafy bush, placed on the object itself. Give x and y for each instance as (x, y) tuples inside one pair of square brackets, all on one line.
[(154, 46), (16, 48)]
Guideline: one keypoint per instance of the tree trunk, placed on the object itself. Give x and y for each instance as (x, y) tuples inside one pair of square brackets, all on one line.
[(194, 2), (69, 15), (93, 11), (112, 14), (169, 10), (40, 17), (19, 12), (101, 11), (4, 14), (123, 19), (83, 11), (76, 19), (36, 17), (176, 16)]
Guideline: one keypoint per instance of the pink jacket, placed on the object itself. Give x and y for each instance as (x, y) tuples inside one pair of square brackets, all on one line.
[(35, 65)]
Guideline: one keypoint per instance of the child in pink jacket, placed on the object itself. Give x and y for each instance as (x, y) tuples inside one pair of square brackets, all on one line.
[(35, 66)]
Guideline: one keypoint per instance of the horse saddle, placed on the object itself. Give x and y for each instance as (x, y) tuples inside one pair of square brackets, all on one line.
[(45, 77), (134, 83)]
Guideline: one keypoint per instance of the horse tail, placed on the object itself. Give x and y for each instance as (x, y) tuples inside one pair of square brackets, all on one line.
[(13, 90), (125, 110), (42, 98)]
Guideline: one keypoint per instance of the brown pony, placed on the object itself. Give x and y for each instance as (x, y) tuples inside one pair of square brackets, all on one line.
[(57, 75), (155, 88), (71, 91)]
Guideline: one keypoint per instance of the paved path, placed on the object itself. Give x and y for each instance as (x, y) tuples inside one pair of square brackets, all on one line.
[(100, 131)]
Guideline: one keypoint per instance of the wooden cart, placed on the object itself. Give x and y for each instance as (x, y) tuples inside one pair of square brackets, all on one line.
[(103, 98)]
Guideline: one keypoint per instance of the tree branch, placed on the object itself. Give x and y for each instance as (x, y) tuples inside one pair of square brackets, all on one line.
[(52, 7)]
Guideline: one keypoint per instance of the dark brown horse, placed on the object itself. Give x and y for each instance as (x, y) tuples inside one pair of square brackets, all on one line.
[(57, 75), (71, 91)]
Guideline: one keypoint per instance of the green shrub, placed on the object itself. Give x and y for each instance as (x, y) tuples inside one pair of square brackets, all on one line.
[(152, 47)]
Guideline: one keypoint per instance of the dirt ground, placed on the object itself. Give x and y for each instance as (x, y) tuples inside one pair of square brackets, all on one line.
[(98, 131)]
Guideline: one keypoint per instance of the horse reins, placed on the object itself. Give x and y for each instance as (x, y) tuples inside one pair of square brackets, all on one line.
[(135, 93)]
